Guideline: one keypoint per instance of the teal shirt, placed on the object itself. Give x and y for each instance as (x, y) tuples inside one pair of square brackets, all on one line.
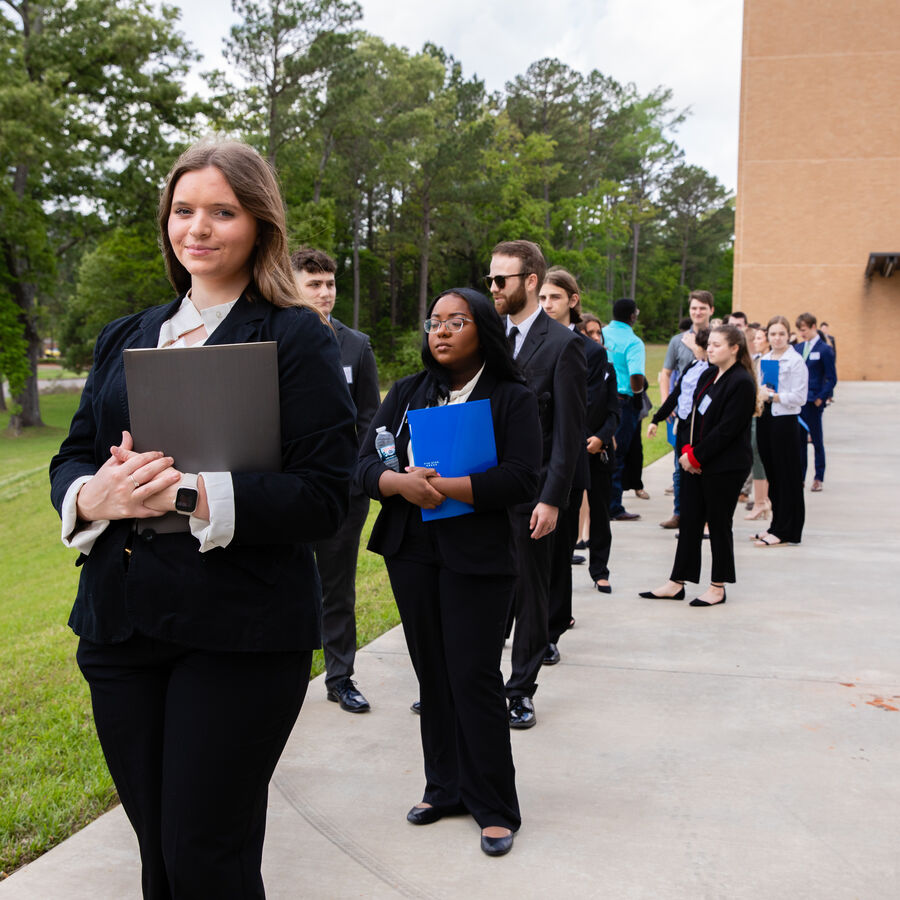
[(626, 353)]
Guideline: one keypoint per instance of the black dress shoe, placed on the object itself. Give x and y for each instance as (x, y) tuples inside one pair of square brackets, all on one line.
[(521, 712), (424, 815), (581, 545), (497, 846), (649, 595), (577, 559), (346, 694), (417, 707), (698, 602), (551, 657)]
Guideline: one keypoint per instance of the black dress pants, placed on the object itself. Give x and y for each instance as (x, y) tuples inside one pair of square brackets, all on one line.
[(564, 540), (191, 738), (336, 559), (707, 498), (600, 540), (454, 626), (782, 447), (531, 606)]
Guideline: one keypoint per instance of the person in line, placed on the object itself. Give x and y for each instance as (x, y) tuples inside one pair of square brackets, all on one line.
[(628, 356), (819, 359), (552, 358), (453, 578), (336, 556), (633, 471), (197, 644), (739, 319), (826, 335), (782, 439), (561, 300), (679, 355), (592, 327), (715, 460), (760, 506)]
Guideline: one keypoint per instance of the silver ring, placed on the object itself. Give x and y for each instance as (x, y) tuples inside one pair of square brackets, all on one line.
[(134, 481)]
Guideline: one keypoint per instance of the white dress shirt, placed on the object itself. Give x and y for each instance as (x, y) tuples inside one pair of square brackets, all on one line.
[(219, 529), (523, 329), (793, 380)]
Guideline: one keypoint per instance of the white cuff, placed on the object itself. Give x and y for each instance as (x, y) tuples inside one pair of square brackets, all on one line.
[(219, 530), (81, 538)]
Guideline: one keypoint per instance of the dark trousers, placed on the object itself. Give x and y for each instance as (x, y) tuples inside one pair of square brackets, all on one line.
[(531, 606), (633, 472), (454, 626), (628, 427), (564, 539), (812, 415), (336, 559), (600, 540), (676, 484), (191, 738), (781, 442), (707, 498)]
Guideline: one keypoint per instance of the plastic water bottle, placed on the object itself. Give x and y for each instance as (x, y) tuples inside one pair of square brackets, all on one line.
[(387, 448)]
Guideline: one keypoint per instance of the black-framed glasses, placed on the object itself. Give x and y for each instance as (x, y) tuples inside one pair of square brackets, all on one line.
[(501, 279), (453, 324)]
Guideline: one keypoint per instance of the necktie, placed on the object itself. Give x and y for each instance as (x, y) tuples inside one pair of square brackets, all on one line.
[(806, 348), (511, 339)]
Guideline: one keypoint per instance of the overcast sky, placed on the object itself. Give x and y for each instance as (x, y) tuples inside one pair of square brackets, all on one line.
[(690, 46)]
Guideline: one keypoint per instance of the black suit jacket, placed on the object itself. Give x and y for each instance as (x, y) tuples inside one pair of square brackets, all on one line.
[(721, 434), (553, 360), (261, 592), (361, 372), (481, 542)]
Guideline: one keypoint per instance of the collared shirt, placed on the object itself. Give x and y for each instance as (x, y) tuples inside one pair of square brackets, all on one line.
[(678, 355), (793, 381), (688, 386), (626, 352), (219, 530), (523, 327)]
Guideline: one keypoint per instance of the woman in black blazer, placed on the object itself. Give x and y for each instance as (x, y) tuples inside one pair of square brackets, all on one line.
[(197, 644), (715, 460), (453, 578)]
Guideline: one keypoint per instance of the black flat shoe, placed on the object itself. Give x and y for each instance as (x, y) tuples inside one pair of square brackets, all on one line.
[(424, 815), (416, 707), (581, 545), (698, 602), (603, 588), (497, 846), (649, 595)]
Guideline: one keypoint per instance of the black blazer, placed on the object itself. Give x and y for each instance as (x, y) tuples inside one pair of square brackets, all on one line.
[(361, 372), (552, 358), (721, 434), (261, 592), (479, 543)]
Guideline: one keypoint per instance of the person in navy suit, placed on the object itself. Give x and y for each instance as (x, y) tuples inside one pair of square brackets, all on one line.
[(336, 557), (819, 359), (453, 577), (197, 644)]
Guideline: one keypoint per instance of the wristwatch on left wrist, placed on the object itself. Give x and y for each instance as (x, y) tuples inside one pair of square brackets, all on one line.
[(187, 496)]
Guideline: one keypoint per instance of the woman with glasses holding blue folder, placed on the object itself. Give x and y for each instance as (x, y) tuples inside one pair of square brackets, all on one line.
[(780, 436), (196, 642), (453, 578)]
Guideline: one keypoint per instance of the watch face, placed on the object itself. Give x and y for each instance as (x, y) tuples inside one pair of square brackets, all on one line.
[(186, 500)]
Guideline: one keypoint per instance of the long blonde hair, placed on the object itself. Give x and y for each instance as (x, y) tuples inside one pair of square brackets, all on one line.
[(256, 187)]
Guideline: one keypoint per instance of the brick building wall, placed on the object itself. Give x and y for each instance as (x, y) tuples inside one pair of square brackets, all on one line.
[(819, 172)]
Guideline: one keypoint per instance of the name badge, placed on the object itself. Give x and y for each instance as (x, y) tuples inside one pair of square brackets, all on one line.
[(348, 374), (815, 355), (704, 405)]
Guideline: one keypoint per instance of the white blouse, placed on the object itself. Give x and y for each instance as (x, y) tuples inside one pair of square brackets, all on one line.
[(793, 380), (219, 530)]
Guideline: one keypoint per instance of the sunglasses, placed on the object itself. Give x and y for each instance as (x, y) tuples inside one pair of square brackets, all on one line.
[(501, 279)]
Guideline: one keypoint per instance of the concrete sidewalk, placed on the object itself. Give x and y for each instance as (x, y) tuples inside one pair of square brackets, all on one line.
[(744, 751)]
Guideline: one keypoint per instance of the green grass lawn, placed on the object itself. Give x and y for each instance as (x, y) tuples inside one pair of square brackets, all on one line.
[(53, 779), (48, 371)]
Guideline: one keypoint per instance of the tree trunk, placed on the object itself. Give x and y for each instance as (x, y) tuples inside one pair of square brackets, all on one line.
[(392, 260), (684, 247), (546, 210), (423, 258), (636, 231), (320, 175), (2, 397), (356, 227)]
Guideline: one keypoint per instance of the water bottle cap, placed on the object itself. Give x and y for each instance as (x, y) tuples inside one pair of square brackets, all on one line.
[(380, 428)]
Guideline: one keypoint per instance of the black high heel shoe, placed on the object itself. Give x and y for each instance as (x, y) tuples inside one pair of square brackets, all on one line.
[(649, 595), (698, 602)]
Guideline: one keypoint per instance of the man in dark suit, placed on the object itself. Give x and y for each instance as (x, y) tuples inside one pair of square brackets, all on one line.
[(552, 358), (337, 556), (819, 359)]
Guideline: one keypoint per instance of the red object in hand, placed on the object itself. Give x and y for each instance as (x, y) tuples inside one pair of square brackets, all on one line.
[(687, 448)]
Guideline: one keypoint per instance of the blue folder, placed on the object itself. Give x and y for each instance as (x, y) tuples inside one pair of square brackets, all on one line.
[(453, 440), (769, 373)]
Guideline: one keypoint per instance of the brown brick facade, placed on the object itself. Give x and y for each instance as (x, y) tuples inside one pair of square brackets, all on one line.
[(819, 172)]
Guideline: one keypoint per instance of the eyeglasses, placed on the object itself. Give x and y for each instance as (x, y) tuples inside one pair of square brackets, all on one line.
[(453, 325), (501, 279)]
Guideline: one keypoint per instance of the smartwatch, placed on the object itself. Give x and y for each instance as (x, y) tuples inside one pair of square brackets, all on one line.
[(187, 496)]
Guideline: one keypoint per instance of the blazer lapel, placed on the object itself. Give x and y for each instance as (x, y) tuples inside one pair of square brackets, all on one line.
[(241, 325), (533, 339)]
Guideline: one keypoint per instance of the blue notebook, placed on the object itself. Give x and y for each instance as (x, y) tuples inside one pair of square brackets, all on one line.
[(454, 440), (769, 373)]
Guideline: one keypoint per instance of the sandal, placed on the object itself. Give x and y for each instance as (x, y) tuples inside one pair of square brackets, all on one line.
[(762, 542)]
